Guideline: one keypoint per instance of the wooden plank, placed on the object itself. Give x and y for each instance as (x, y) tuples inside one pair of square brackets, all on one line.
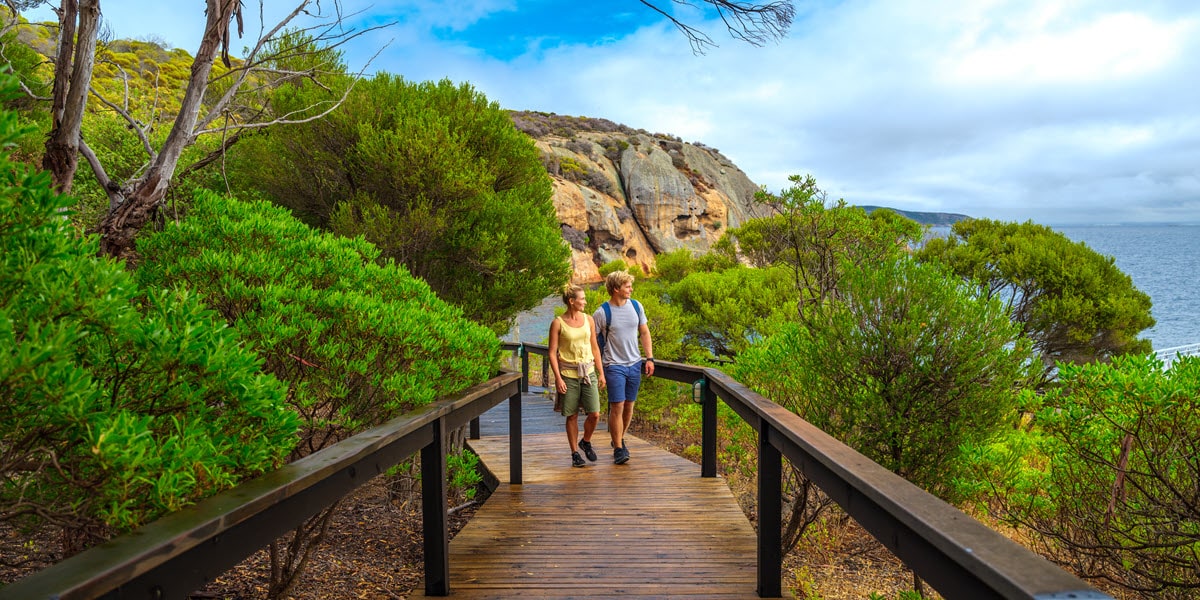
[(651, 528)]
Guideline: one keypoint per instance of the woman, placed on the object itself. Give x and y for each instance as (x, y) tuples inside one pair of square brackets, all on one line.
[(575, 359)]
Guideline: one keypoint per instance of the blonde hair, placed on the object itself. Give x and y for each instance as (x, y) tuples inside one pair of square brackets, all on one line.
[(616, 279), (569, 291)]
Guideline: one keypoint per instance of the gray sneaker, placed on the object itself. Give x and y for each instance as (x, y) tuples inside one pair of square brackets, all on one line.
[(577, 460), (620, 456)]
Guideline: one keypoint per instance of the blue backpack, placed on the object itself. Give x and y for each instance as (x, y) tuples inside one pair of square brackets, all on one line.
[(601, 335)]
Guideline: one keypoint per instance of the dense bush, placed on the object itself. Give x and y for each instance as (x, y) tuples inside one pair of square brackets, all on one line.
[(726, 311), (117, 403), (357, 341), (434, 175), (909, 367), (1072, 302), (1110, 474)]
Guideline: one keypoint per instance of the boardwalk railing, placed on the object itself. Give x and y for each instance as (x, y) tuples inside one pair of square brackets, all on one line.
[(954, 553), (181, 552), (1170, 355)]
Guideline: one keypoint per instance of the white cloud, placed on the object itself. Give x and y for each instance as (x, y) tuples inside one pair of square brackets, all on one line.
[(1053, 110)]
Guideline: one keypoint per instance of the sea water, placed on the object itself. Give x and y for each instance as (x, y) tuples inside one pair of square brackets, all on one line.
[(1164, 262)]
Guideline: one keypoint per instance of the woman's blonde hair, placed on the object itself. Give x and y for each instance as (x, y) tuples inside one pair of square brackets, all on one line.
[(616, 279), (569, 291)]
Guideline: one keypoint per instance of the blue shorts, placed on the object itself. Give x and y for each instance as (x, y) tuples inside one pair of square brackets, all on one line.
[(623, 381)]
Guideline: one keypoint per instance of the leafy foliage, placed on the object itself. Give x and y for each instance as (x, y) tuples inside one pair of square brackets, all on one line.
[(1073, 303), (724, 312), (1111, 474), (358, 342), (815, 239), (910, 366), (436, 177), (117, 403)]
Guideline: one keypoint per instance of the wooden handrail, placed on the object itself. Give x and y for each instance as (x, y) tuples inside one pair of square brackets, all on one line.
[(181, 552), (956, 554)]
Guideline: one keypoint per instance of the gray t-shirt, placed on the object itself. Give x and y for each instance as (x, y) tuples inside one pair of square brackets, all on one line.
[(621, 338)]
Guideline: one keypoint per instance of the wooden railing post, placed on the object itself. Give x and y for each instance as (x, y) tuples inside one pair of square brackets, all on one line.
[(514, 439), (524, 369), (770, 515), (434, 511), (708, 429)]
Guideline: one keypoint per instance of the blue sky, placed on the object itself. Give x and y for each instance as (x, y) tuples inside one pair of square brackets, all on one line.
[(1059, 111)]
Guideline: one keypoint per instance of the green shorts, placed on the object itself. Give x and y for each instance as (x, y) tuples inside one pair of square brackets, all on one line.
[(587, 396)]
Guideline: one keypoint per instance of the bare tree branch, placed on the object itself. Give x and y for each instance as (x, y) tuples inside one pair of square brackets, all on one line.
[(755, 24)]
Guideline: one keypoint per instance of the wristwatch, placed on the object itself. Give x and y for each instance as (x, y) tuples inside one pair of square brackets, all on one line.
[(650, 359)]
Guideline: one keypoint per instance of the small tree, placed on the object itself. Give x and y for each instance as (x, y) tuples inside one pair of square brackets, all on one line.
[(909, 366), (117, 403), (1073, 303), (436, 177), (134, 201), (814, 239), (726, 311)]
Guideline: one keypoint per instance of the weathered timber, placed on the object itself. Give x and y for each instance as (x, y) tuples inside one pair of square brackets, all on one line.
[(651, 528)]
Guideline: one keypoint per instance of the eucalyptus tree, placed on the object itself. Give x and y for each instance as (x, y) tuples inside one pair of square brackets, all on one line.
[(211, 103)]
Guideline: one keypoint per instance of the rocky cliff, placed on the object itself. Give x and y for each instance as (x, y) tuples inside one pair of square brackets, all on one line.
[(628, 194)]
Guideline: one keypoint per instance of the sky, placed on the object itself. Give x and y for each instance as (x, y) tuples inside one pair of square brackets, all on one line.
[(1058, 111)]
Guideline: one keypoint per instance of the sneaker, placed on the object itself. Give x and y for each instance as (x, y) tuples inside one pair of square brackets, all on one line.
[(620, 456), (588, 451), (577, 460)]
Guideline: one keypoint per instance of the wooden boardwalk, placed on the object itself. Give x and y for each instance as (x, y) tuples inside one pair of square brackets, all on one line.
[(652, 528)]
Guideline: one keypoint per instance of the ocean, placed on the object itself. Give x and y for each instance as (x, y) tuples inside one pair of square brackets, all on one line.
[(1162, 260)]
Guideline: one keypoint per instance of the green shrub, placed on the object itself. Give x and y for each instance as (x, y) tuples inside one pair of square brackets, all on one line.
[(1111, 474), (621, 265), (117, 404), (357, 341)]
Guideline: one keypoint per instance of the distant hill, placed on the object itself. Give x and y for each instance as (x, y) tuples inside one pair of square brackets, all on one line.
[(924, 218)]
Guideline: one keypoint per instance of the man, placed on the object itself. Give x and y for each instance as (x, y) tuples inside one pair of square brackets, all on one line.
[(623, 363)]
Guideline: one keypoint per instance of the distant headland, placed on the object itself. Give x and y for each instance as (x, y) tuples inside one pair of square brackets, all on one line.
[(924, 218)]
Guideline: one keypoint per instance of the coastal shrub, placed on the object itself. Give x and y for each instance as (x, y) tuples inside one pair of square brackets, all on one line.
[(1072, 302), (621, 265), (816, 239), (908, 367), (434, 175), (1109, 474), (583, 147), (357, 341), (118, 403), (724, 312)]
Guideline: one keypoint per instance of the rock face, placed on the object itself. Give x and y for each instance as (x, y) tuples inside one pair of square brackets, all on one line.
[(629, 195)]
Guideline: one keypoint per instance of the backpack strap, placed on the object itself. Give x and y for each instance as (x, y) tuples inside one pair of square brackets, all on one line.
[(607, 319)]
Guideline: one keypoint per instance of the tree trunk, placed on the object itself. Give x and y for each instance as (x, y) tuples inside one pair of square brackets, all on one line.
[(122, 223), (72, 78)]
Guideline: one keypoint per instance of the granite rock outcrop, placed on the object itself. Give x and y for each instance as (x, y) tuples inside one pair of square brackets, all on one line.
[(624, 194)]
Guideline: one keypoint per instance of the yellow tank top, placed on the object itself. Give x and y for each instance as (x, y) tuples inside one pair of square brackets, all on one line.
[(574, 347)]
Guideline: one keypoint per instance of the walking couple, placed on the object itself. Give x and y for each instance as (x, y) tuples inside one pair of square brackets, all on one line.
[(574, 349)]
